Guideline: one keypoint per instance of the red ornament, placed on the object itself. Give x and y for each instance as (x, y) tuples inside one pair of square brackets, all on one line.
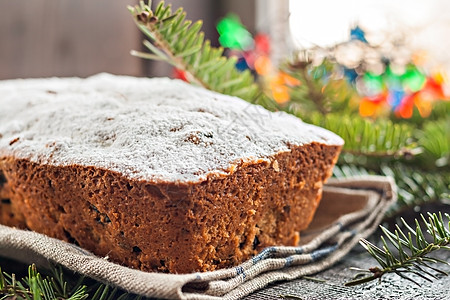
[(179, 74), (262, 44), (434, 89), (406, 108)]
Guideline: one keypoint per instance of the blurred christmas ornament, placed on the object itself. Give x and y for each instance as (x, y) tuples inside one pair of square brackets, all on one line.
[(413, 79), (371, 106), (263, 66), (356, 33), (390, 80), (254, 54), (179, 74), (233, 34)]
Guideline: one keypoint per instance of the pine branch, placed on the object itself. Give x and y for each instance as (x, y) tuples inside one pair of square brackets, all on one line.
[(369, 137), (181, 43), (311, 89), (412, 249), (415, 186), (35, 287), (55, 287), (434, 137), (318, 92)]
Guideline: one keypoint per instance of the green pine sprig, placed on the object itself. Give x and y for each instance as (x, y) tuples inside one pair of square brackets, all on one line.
[(415, 186), (411, 251), (316, 94), (370, 137), (55, 287), (37, 288), (329, 103), (180, 43), (435, 140)]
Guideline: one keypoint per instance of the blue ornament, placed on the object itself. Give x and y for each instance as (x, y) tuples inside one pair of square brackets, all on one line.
[(241, 64), (395, 98), (350, 74), (358, 34)]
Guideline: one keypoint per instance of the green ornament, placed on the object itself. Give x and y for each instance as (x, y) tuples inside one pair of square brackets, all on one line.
[(233, 34), (394, 80), (413, 79), (373, 82)]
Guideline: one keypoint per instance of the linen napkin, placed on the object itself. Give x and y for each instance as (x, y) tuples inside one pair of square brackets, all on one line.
[(350, 209)]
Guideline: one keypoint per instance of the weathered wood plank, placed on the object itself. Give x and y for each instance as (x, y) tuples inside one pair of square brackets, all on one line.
[(42, 38), (391, 287)]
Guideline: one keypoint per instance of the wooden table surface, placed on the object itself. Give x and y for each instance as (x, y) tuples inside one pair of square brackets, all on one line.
[(391, 286)]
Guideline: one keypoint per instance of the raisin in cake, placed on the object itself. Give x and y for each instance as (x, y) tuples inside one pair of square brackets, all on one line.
[(157, 174)]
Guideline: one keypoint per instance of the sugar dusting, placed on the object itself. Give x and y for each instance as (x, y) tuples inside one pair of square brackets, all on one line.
[(147, 129)]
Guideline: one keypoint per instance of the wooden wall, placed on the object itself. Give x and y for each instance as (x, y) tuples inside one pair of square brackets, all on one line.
[(66, 38), (42, 38)]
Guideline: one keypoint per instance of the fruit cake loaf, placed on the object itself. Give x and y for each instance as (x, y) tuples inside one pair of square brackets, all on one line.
[(157, 174)]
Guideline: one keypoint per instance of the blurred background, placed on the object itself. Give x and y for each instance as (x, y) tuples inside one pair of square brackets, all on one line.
[(42, 38)]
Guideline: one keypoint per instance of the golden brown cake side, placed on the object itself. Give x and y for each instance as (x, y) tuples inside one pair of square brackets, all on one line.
[(10, 214), (172, 227)]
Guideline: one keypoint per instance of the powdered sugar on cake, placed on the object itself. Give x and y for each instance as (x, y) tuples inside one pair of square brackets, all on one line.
[(147, 129)]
